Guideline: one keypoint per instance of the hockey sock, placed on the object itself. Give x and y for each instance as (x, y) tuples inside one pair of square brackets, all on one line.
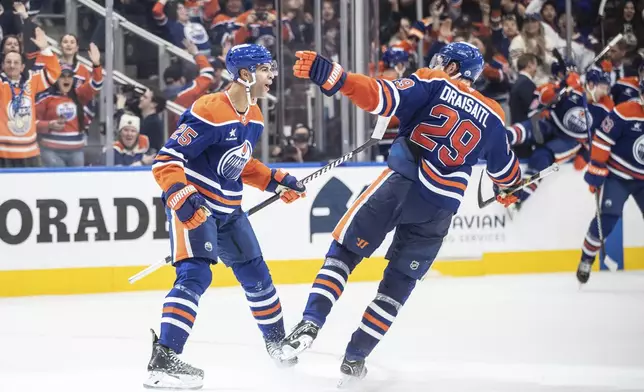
[(262, 297), (180, 307), (330, 283), (393, 292), (592, 244)]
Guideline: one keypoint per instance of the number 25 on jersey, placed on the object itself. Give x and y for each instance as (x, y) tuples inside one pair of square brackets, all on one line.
[(459, 137), (184, 135)]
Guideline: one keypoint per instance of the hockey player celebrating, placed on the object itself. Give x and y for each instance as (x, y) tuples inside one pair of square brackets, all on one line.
[(445, 126), (616, 171), (202, 169), (561, 136)]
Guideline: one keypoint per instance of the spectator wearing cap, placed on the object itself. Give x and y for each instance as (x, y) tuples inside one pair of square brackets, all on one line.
[(533, 40), (82, 73), (151, 105), (131, 148), (61, 117)]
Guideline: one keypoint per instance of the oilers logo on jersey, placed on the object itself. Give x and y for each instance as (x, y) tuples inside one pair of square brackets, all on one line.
[(20, 120), (233, 161), (577, 119), (66, 110), (196, 33), (638, 149)]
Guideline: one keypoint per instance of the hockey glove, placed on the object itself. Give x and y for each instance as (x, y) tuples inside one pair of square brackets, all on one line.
[(329, 76), (286, 186), (595, 175), (188, 204), (508, 200)]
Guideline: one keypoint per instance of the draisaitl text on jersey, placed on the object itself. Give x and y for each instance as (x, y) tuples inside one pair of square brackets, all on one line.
[(456, 99)]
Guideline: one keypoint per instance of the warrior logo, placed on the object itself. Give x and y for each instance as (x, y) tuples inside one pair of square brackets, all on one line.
[(233, 161), (638, 150)]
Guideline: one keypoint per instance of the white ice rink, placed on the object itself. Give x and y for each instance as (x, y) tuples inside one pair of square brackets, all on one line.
[(496, 333)]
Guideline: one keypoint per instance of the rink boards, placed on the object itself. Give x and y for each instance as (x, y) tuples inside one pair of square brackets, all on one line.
[(87, 231)]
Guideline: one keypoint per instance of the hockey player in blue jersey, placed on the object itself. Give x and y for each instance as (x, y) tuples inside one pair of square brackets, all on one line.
[(563, 134), (201, 170), (445, 126), (616, 171)]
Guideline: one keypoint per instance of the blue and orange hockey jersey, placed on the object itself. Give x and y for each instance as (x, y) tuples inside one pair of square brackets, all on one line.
[(625, 89), (212, 149), (452, 124), (619, 142), (176, 32), (568, 115)]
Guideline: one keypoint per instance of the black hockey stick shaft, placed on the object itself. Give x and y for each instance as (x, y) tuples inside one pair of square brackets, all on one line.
[(513, 189), (325, 169), (378, 132)]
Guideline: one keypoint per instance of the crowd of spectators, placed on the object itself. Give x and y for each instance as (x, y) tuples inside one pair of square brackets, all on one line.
[(518, 40)]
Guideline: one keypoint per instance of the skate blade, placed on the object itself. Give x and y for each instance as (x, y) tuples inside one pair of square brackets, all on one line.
[(285, 364), (349, 382), (289, 352), (161, 380)]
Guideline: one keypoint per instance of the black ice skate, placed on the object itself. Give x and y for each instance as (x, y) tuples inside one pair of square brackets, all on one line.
[(583, 271), (167, 371), (299, 340), (275, 352), (352, 372)]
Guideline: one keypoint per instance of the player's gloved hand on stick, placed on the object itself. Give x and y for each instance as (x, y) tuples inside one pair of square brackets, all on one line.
[(508, 199), (328, 75), (286, 186), (595, 175), (188, 204)]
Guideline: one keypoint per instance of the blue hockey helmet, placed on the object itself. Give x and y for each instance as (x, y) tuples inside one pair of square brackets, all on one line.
[(248, 56), (556, 68), (597, 76), (467, 56), (393, 56)]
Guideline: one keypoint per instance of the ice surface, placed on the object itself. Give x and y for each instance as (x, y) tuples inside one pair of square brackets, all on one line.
[(495, 333)]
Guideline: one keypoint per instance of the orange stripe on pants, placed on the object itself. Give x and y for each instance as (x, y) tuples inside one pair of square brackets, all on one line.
[(179, 237), (347, 217)]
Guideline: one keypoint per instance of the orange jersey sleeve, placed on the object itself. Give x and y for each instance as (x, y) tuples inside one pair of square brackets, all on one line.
[(256, 174), (90, 88), (49, 74)]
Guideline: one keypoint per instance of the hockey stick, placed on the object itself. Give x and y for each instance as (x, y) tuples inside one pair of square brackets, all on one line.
[(601, 54), (524, 183), (376, 136)]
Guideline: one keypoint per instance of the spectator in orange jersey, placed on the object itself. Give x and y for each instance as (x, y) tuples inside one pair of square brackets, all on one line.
[(223, 24), (82, 73), (131, 148), (61, 118), (187, 95), (18, 89)]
